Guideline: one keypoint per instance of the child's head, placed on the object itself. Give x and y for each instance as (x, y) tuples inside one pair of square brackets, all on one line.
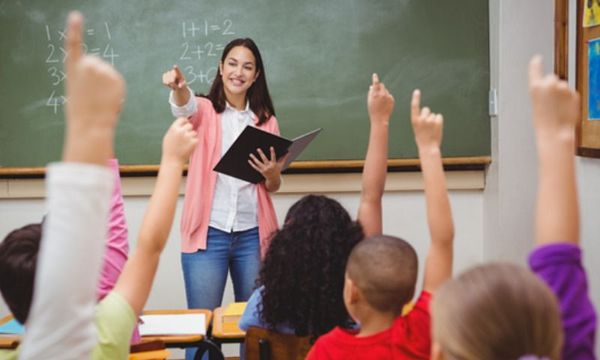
[(381, 273), (303, 271), (241, 71), (18, 259), (496, 311)]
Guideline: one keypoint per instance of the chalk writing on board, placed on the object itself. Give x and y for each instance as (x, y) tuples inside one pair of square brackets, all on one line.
[(204, 77), (206, 28), (101, 38), (202, 44), (199, 51)]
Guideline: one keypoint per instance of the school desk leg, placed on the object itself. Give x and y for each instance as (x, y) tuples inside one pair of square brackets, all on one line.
[(214, 351)]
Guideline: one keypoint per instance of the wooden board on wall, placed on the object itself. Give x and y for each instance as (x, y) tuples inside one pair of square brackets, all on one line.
[(588, 132)]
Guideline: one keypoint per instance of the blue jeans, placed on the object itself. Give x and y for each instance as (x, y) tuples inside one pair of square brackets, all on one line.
[(205, 271)]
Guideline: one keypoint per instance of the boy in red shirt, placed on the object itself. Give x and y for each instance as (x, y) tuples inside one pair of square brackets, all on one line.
[(381, 272)]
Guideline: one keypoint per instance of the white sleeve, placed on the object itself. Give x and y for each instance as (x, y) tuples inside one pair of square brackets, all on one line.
[(186, 110), (60, 324)]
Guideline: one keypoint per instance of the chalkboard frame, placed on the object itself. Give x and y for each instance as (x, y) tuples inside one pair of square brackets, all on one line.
[(298, 167)]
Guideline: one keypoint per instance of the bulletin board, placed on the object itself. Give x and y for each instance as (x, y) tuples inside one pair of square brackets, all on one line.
[(587, 74)]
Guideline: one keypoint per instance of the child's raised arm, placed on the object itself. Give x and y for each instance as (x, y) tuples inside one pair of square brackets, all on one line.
[(555, 113), (558, 258), (136, 280), (60, 323), (380, 104), (427, 128)]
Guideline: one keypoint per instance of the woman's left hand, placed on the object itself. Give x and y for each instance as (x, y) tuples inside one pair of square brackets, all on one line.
[(269, 168)]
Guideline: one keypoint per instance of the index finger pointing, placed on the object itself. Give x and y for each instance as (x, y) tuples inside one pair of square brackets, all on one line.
[(73, 40), (375, 79), (536, 69), (177, 71), (415, 103)]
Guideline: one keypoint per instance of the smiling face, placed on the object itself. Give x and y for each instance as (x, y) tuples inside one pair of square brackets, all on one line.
[(238, 72)]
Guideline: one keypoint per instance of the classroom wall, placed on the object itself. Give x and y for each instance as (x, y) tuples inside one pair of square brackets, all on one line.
[(518, 30), (589, 201), (403, 216)]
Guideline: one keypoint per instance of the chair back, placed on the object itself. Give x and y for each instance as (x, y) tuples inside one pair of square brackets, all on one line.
[(262, 344)]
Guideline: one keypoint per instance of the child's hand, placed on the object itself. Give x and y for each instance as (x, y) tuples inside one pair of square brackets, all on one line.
[(174, 79), (95, 90), (269, 168), (555, 105), (379, 101), (427, 126), (179, 141)]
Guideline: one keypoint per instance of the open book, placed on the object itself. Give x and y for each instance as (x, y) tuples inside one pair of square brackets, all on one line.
[(235, 161)]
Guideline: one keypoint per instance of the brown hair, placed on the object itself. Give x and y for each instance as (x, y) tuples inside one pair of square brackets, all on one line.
[(18, 259), (258, 94), (385, 269), (496, 311)]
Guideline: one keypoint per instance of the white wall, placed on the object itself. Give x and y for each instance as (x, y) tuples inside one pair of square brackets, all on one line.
[(589, 202), (404, 215), (518, 29)]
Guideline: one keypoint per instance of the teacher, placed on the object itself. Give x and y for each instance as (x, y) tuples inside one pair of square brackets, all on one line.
[(226, 222)]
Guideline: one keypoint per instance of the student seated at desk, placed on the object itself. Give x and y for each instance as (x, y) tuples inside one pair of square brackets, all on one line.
[(302, 277), (381, 273), (60, 323)]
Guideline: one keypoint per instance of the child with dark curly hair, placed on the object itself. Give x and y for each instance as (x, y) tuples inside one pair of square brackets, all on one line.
[(302, 278)]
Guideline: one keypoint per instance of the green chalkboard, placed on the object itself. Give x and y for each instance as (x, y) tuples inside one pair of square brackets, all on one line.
[(319, 56)]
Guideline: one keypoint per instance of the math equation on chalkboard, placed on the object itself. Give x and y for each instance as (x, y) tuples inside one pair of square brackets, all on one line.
[(56, 55), (202, 42)]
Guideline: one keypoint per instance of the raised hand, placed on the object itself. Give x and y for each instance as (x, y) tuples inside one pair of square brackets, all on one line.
[(174, 79), (179, 141), (555, 105), (427, 126), (95, 90), (380, 102), (95, 93)]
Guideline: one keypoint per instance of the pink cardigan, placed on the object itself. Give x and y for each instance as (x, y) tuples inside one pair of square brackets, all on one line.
[(201, 182)]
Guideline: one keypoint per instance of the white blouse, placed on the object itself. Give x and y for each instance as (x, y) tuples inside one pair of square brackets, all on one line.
[(234, 206)]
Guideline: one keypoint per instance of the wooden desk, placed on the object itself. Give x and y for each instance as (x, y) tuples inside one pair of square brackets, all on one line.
[(8, 341), (225, 332), (12, 342), (170, 341)]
